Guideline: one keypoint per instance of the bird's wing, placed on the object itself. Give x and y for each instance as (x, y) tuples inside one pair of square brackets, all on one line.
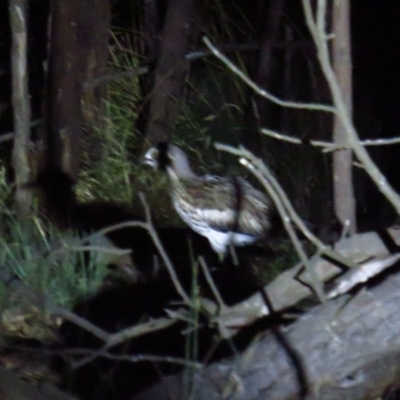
[(223, 206)]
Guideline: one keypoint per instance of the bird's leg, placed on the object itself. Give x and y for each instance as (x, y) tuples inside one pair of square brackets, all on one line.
[(233, 255), (221, 257), (231, 249)]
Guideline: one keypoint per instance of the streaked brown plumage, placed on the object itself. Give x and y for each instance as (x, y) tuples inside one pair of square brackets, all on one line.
[(228, 211)]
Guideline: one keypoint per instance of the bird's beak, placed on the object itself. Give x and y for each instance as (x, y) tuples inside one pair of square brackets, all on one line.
[(150, 158), (149, 161)]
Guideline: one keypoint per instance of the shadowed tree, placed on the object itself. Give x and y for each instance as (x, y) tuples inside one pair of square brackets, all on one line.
[(264, 71), (93, 36), (64, 122), (170, 71), (78, 53)]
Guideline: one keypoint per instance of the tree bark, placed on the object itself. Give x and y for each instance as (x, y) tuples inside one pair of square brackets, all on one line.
[(64, 121), (344, 199), (265, 64), (21, 105), (78, 55), (272, 24), (170, 71), (93, 35)]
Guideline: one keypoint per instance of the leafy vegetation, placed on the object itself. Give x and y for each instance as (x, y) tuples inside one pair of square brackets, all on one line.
[(48, 262)]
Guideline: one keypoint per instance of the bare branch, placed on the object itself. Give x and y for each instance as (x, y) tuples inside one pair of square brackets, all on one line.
[(132, 332), (291, 213), (263, 92), (130, 358), (320, 39), (210, 281), (328, 146), (282, 205), (380, 142), (164, 255), (100, 249), (148, 226), (362, 274)]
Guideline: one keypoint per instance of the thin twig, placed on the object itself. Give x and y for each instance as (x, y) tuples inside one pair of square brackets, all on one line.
[(329, 146), (99, 249), (319, 36), (325, 249), (287, 213), (130, 358), (77, 320), (282, 205), (211, 283), (283, 212), (62, 247), (263, 92), (362, 274), (380, 142), (164, 255), (148, 225), (127, 334), (99, 353)]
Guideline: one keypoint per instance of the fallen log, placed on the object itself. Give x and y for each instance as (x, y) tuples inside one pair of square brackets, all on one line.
[(347, 348)]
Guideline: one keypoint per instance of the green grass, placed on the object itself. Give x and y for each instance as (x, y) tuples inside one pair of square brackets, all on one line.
[(45, 261)]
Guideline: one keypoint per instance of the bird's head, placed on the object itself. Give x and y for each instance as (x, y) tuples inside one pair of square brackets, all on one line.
[(158, 156), (167, 157), (151, 157)]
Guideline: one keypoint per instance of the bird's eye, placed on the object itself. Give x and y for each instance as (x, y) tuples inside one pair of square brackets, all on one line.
[(154, 154)]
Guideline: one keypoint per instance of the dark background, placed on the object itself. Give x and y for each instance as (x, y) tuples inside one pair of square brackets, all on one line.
[(376, 82)]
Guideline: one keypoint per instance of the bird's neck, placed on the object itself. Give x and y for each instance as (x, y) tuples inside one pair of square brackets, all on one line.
[(180, 171), (178, 182)]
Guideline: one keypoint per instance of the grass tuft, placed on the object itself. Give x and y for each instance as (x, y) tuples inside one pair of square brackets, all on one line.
[(45, 261)]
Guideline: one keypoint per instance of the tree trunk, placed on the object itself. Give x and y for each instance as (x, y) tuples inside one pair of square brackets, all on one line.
[(78, 55), (64, 122), (170, 71), (93, 35), (265, 64), (21, 105), (151, 48), (344, 200)]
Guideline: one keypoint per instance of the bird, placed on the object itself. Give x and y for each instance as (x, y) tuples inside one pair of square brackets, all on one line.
[(228, 211)]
